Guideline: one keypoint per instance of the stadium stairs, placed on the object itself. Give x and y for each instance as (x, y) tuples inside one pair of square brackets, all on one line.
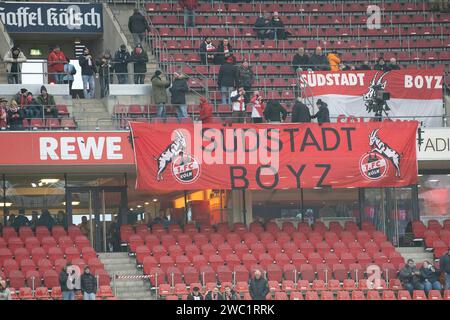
[(119, 263), (91, 114)]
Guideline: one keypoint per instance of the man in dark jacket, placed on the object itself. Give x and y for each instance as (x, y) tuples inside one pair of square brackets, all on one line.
[(47, 101), (67, 283), (393, 65), (262, 26), (381, 65), (410, 277), (259, 287), (300, 62), (88, 284), (444, 265), (274, 112), (245, 79), (137, 24), (178, 91), (140, 59), (214, 294), (230, 294), (21, 220), (277, 27), (33, 109), (430, 277), (88, 73), (46, 220), (121, 60), (195, 294), (189, 11), (364, 66), (105, 72), (323, 115), (319, 61), (227, 80), (300, 112)]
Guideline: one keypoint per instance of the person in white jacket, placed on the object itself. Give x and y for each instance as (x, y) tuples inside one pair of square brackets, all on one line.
[(14, 59)]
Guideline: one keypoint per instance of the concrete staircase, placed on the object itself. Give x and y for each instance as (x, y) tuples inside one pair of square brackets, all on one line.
[(120, 263), (87, 113), (418, 254)]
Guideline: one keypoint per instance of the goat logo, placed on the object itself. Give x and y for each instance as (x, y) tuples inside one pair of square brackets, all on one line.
[(374, 165), (177, 147), (370, 97)]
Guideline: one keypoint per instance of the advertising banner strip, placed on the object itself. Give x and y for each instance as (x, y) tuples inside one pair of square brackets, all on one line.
[(414, 94), (277, 156), (51, 17)]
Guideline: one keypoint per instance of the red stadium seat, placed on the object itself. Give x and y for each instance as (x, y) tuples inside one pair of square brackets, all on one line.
[(373, 295), (42, 293), (26, 293), (358, 295), (16, 279), (307, 272), (296, 296), (343, 295), (434, 295), (419, 295), (403, 295), (311, 295)]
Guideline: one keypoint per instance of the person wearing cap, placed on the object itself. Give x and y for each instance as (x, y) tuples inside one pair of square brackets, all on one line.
[(140, 58), (88, 73), (444, 266), (33, 109), (323, 115), (178, 91), (88, 284), (21, 97), (56, 61), (3, 114), (159, 92), (121, 60), (206, 111), (5, 293), (224, 52), (227, 80), (137, 24), (14, 59), (47, 101)]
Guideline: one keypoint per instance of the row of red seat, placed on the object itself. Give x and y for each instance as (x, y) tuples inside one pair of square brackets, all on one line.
[(13, 243), (43, 293), (435, 235), (41, 232)]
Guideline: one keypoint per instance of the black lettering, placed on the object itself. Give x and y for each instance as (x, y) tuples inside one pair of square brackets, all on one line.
[(291, 137), (349, 137), (269, 137), (241, 177), (258, 178), (327, 168), (325, 139), (210, 138), (297, 174), (244, 135), (225, 141), (305, 143)]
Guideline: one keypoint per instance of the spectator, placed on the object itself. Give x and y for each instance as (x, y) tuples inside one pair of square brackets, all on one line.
[(444, 266), (300, 62), (67, 283), (259, 287), (56, 61), (88, 72), (230, 294), (69, 72), (121, 60), (257, 107), (381, 65), (206, 111), (300, 112), (323, 115), (140, 58), (138, 25), (61, 219), (262, 26), (33, 109), (207, 50), (46, 220), (410, 277), (274, 112), (88, 284), (237, 98), (393, 65), (47, 101), (245, 77), (14, 59), (21, 97), (5, 293), (430, 277), (84, 226), (334, 60), (11, 219), (105, 72), (189, 7), (15, 116), (3, 114), (319, 61), (167, 219), (178, 91), (34, 219), (195, 294), (365, 66), (21, 220), (227, 80), (214, 294), (224, 52), (277, 28), (159, 93)]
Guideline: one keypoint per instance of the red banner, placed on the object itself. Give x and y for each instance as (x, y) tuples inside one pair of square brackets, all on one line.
[(265, 156)]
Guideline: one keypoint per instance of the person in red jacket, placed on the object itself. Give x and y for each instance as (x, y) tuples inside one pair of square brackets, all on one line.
[(56, 61), (189, 12), (206, 111)]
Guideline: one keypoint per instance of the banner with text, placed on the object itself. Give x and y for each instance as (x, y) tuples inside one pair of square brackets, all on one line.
[(285, 156), (51, 17), (414, 94)]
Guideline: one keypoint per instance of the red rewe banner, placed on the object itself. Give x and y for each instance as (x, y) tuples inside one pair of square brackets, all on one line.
[(284, 156)]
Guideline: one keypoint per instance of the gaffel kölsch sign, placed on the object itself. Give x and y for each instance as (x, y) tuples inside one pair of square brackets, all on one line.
[(51, 17)]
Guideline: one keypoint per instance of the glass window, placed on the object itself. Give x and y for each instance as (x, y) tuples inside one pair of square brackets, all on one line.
[(434, 197), (84, 180)]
